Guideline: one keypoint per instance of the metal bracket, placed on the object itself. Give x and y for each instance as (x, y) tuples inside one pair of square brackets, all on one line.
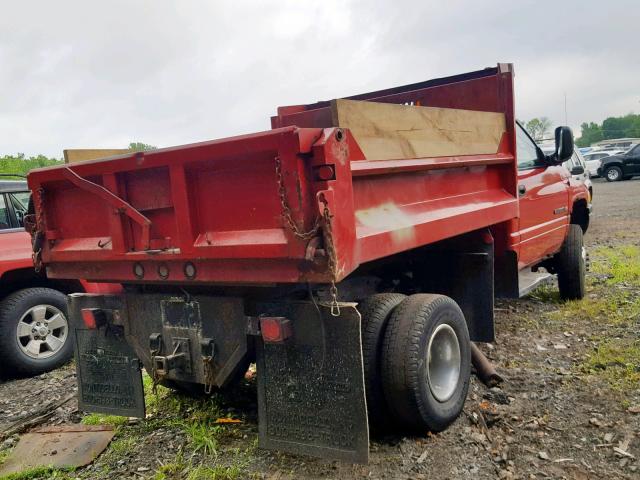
[(179, 359), (253, 326), (207, 347), (155, 343)]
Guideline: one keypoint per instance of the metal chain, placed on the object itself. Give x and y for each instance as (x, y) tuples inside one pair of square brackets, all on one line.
[(38, 234), (327, 231), (332, 259), (207, 365), (155, 378), (286, 210)]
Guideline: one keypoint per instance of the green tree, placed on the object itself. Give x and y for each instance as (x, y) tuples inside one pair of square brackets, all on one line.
[(612, 127), (14, 166), (589, 133), (538, 127), (141, 147)]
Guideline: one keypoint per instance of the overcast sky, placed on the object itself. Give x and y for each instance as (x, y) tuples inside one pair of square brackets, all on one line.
[(78, 74)]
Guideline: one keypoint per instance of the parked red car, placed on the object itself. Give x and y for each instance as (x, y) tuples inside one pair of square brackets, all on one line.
[(34, 330)]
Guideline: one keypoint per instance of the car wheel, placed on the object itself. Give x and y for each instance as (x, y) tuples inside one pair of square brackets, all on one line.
[(34, 332), (571, 264), (613, 174), (375, 311), (426, 362)]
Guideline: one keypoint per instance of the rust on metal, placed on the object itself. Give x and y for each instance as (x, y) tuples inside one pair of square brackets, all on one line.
[(485, 369), (63, 446)]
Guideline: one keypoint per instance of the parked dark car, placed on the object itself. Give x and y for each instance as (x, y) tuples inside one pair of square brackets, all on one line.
[(622, 166)]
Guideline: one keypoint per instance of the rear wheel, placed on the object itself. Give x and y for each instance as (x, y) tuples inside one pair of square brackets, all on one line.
[(375, 312), (613, 174), (34, 332), (426, 362), (570, 263)]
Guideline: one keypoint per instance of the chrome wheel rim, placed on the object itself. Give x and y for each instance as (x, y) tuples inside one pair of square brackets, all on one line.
[(42, 331), (612, 174), (443, 362)]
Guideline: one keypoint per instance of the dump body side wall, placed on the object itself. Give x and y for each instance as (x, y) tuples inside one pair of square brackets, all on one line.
[(238, 210)]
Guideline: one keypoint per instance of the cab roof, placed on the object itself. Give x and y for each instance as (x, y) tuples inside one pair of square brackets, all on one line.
[(13, 186)]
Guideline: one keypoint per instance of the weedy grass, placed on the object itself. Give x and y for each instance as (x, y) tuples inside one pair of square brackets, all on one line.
[(3, 455), (218, 472), (123, 446), (613, 307), (619, 264), (618, 362), (100, 419), (203, 437), (612, 297), (41, 473), (610, 314), (179, 469)]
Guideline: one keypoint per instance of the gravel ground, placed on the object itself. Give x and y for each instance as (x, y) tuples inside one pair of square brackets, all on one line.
[(569, 406)]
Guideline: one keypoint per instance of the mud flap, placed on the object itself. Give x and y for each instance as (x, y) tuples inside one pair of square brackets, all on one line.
[(311, 388), (109, 372)]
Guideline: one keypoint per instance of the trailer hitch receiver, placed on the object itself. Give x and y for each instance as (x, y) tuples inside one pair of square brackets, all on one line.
[(178, 359)]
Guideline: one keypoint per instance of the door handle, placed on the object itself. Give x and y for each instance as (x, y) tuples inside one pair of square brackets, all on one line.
[(522, 189)]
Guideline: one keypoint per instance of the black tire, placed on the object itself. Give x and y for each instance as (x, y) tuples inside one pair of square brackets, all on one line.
[(375, 311), (405, 376), (613, 174), (571, 265), (14, 362)]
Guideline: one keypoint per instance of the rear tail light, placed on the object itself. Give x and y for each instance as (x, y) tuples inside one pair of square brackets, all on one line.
[(275, 329), (93, 318)]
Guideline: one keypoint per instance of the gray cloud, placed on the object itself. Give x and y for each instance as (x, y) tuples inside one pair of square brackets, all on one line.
[(89, 74)]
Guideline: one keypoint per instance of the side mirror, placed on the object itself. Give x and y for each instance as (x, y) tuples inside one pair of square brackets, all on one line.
[(564, 144), (577, 170)]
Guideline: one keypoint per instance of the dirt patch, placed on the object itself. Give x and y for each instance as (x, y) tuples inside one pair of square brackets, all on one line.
[(569, 408)]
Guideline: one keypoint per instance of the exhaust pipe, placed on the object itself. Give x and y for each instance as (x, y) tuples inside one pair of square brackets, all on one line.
[(484, 368)]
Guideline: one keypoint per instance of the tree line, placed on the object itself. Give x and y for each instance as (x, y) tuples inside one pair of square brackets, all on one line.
[(627, 126), (15, 167)]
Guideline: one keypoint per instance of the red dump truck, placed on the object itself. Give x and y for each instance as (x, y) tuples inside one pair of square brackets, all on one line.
[(352, 252)]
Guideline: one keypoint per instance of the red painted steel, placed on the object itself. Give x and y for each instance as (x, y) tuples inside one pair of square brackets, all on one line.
[(217, 204)]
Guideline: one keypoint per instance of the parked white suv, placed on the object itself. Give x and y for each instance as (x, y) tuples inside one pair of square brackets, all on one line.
[(594, 158)]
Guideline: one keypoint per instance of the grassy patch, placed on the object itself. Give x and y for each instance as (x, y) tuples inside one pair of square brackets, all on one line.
[(203, 438), (621, 264), (181, 470), (99, 419), (123, 446), (617, 361), (3, 455), (217, 472), (41, 473), (546, 293), (614, 307), (613, 298)]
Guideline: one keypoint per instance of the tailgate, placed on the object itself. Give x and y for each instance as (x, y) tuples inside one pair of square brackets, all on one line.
[(212, 211)]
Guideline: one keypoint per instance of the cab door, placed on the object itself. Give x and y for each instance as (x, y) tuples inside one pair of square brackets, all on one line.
[(633, 161), (544, 198)]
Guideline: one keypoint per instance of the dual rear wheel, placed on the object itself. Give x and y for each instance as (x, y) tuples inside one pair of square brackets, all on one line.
[(417, 360)]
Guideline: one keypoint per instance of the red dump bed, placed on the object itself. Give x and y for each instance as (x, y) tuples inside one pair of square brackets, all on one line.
[(216, 211)]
